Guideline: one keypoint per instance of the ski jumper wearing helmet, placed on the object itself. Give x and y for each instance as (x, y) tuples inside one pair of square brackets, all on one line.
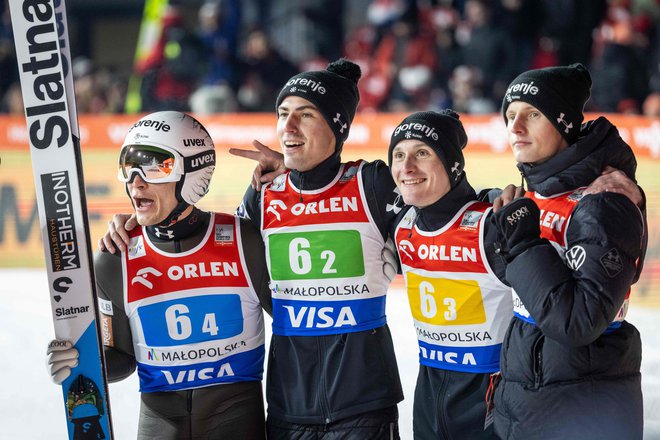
[(186, 309)]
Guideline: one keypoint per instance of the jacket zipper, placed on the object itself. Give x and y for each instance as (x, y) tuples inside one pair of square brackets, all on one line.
[(537, 350), (323, 392)]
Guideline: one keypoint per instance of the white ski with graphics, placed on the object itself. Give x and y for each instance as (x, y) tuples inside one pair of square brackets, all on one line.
[(44, 64)]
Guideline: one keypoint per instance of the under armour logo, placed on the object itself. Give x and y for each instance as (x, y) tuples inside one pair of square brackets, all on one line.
[(272, 208), (336, 120), (612, 262), (575, 256), (395, 205), (560, 120), (456, 169), (141, 277), (166, 233)]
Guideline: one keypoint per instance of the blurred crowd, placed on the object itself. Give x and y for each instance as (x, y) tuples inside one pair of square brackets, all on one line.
[(414, 54)]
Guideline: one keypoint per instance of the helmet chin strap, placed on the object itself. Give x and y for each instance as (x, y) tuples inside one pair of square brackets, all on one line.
[(173, 217)]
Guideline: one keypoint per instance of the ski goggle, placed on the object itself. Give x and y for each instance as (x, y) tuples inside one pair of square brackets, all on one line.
[(152, 164)]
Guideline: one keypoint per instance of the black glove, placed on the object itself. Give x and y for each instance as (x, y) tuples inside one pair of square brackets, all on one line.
[(518, 227)]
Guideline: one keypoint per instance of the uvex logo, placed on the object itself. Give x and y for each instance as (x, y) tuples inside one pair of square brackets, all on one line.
[(202, 160), (194, 142)]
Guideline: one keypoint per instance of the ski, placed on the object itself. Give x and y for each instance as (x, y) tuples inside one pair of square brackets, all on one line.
[(42, 49)]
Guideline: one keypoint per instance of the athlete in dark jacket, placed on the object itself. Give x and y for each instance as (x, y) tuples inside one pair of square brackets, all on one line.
[(570, 362)]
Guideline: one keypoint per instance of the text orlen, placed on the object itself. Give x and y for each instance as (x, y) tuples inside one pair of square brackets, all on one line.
[(333, 204), (446, 253), (200, 270), (552, 220)]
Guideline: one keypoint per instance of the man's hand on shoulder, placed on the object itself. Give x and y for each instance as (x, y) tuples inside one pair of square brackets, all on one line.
[(616, 181), (116, 237), (507, 195)]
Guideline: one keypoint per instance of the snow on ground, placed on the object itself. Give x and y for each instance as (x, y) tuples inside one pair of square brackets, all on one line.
[(31, 408)]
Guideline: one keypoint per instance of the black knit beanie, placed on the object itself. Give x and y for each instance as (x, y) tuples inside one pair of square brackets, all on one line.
[(333, 91), (558, 92), (442, 131)]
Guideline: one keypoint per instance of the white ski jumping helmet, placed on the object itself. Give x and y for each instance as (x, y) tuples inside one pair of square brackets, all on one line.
[(189, 146)]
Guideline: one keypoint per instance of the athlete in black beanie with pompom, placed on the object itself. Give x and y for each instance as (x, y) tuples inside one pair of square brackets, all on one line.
[(459, 304), (332, 372)]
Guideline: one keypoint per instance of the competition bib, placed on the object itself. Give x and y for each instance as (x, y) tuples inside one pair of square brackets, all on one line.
[(323, 252), (195, 318), (459, 307)]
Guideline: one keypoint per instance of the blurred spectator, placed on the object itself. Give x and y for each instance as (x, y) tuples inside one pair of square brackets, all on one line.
[(413, 63), (444, 19), (403, 66), (327, 29), (414, 55), (8, 70), (12, 101), (521, 19), (651, 106), (467, 95), (571, 23), (487, 48), (211, 99), (219, 28), (171, 74), (263, 70), (620, 82)]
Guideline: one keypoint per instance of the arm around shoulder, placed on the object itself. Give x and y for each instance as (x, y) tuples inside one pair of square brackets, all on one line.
[(115, 327), (255, 257), (573, 301)]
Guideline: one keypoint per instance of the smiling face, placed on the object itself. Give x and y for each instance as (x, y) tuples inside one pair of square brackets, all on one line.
[(305, 137), (153, 202), (532, 137), (418, 173)]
